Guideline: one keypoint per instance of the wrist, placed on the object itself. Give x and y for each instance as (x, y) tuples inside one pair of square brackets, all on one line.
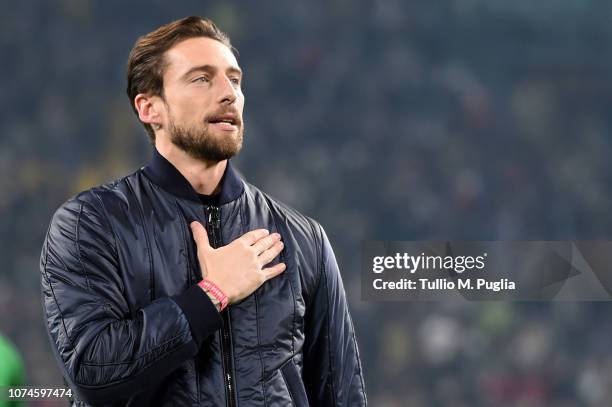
[(217, 296), (212, 299)]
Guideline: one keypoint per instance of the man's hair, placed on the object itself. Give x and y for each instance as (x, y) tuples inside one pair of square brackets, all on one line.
[(146, 63)]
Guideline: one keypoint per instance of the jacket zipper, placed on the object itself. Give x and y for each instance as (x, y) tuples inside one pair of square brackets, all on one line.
[(193, 279), (214, 231)]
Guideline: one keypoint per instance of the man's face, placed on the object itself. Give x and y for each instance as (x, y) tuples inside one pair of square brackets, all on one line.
[(203, 99)]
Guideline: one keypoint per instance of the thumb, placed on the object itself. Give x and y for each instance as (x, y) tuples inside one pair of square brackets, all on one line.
[(199, 235)]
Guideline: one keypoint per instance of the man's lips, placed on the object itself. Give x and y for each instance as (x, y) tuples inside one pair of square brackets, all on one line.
[(225, 121), (231, 118), (224, 126)]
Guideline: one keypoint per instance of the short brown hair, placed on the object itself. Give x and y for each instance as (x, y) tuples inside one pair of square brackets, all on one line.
[(146, 64)]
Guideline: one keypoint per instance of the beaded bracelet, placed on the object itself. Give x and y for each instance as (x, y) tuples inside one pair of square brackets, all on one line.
[(215, 291)]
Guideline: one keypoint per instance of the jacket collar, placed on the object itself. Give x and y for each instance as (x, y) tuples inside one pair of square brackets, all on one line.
[(164, 174)]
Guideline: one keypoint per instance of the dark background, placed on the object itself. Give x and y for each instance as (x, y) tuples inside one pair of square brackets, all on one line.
[(393, 119)]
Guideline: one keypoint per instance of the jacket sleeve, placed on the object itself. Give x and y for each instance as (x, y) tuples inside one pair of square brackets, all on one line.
[(332, 368), (106, 352)]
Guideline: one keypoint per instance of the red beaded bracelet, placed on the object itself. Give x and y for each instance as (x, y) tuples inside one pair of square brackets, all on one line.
[(215, 291)]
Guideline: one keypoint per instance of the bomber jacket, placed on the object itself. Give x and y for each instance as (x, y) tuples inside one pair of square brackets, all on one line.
[(129, 325)]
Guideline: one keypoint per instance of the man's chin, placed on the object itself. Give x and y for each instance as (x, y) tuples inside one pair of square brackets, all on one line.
[(211, 154)]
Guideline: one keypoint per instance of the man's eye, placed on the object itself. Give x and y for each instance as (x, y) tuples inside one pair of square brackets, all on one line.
[(235, 81), (200, 79)]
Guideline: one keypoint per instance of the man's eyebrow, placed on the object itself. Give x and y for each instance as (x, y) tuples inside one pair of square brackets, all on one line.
[(210, 69)]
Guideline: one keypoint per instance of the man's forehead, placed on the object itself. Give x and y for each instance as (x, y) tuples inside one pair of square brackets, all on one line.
[(197, 52)]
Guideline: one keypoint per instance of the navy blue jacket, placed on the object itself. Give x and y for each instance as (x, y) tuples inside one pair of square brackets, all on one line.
[(129, 325)]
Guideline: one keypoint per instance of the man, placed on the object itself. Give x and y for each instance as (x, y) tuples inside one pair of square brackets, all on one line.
[(181, 284)]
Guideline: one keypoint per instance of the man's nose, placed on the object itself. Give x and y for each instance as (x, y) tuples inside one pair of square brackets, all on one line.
[(228, 93)]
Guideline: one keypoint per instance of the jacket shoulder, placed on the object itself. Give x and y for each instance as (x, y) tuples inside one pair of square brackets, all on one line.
[(92, 203), (117, 190)]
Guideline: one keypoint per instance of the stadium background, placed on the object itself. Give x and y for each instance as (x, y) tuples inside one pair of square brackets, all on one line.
[(393, 119)]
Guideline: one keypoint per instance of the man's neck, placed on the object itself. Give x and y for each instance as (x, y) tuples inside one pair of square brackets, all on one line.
[(204, 177)]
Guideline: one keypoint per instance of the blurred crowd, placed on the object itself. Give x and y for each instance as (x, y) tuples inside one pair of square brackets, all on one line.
[(396, 120)]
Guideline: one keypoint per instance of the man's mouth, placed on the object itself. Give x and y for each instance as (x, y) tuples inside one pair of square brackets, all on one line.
[(226, 121)]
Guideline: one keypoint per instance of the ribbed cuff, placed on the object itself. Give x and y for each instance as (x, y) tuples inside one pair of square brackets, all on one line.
[(203, 317)]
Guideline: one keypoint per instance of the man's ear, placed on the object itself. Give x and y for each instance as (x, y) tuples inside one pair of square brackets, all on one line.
[(148, 108)]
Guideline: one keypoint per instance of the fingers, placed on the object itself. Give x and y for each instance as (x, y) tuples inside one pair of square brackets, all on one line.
[(199, 235), (268, 255), (265, 243), (253, 236), (271, 272)]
